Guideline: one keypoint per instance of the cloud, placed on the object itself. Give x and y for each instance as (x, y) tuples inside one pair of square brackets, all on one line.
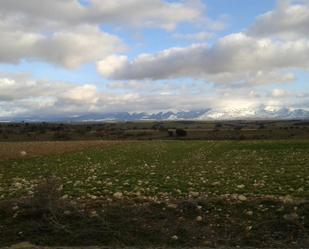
[(236, 57), (280, 93), (252, 77), (288, 21), (112, 63), (70, 49), (68, 33), (21, 96), (138, 85), (138, 13)]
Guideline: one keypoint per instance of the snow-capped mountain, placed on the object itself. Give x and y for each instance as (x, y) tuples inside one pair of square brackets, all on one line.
[(258, 113), (126, 116), (205, 114)]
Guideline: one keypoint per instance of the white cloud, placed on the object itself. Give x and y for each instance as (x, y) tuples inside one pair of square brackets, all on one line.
[(70, 48), (252, 77), (139, 13), (25, 97), (236, 57), (87, 94), (280, 93), (138, 85), (288, 21), (110, 64), (67, 33)]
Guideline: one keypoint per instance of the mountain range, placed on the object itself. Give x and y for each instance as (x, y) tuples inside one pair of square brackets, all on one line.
[(198, 115)]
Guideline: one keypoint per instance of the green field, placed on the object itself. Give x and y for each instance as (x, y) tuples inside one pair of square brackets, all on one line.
[(156, 193), (168, 169)]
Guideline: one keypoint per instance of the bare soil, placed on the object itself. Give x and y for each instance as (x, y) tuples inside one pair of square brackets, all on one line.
[(15, 150)]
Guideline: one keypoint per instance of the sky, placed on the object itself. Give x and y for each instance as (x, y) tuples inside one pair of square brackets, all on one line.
[(68, 58)]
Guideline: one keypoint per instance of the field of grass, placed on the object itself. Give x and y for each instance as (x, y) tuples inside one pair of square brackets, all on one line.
[(157, 193), (168, 169)]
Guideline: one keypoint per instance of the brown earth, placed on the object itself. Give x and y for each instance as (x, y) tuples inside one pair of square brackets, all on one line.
[(27, 245), (17, 150)]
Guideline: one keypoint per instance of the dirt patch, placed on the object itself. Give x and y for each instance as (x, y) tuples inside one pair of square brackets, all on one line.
[(17, 150), (27, 245)]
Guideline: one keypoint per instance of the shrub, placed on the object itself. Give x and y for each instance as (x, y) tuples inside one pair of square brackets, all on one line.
[(181, 132)]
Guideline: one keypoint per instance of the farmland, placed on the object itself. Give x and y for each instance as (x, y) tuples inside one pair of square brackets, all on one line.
[(169, 169), (190, 193)]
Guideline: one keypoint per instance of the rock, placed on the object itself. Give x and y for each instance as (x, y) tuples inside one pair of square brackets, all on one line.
[(93, 214), (67, 212), (175, 237), (118, 195), (194, 194), (207, 243), (199, 218), (241, 186), (23, 153), (287, 199), (291, 217), (242, 198), (23, 245), (248, 228), (250, 213), (172, 206)]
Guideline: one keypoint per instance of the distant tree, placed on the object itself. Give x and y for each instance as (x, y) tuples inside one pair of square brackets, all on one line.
[(61, 136), (181, 132), (237, 128), (170, 133), (218, 125)]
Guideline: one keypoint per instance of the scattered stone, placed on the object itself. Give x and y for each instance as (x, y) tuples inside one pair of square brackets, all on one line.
[(248, 228), (118, 195), (241, 186), (250, 213), (15, 208), (172, 206), (291, 217), (242, 198), (23, 153), (194, 194), (23, 245), (67, 212), (287, 199), (199, 218), (93, 214), (175, 237), (207, 243)]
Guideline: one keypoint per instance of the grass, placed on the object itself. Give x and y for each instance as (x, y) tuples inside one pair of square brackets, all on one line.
[(157, 193), (168, 169)]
